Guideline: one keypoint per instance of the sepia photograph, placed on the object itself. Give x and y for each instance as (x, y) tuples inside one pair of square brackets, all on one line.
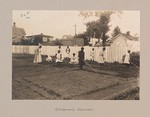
[(76, 55)]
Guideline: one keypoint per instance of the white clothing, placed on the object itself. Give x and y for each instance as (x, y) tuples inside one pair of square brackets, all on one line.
[(102, 57), (68, 52), (73, 60), (58, 57), (127, 58), (49, 58), (92, 54), (37, 57)]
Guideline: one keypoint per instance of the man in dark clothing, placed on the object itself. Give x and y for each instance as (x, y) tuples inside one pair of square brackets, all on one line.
[(81, 58)]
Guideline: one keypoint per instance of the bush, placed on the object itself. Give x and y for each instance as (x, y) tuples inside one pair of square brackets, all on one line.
[(135, 58)]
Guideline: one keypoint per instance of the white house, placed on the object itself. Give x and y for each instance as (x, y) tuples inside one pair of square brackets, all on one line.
[(93, 41), (120, 44)]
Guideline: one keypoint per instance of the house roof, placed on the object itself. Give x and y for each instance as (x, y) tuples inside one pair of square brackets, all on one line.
[(18, 31), (40, 35), (129, 37), (132, 38), (101, 44), (67, 37)]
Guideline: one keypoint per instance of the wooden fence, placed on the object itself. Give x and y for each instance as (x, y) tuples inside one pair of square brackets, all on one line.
[(112, 53)]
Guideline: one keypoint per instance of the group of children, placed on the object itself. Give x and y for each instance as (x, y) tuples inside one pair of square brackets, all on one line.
[(74, 59), (57, 58), (102, 55)]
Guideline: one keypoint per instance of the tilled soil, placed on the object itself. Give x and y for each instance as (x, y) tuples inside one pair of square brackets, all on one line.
[(64, 81)]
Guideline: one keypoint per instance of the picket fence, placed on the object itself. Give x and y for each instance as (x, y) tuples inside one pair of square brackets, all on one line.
[(112, 53)]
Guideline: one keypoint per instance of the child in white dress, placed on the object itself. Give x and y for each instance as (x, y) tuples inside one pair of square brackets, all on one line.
[(58, 57), (92, 54), (67, 51), (74, 59), (102, 56), (127, 58)]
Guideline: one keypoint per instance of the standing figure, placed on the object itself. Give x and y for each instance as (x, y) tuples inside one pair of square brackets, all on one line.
[(81, 58), (102, 56), (68, 51), (92, 54), (58, 57), (59, 48), (127, 58), (37, 56)]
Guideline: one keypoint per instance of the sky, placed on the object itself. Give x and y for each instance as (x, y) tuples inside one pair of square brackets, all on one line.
[(59, 23)]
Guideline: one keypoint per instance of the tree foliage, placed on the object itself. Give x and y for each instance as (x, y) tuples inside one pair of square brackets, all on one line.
[(116, 31), (99, 28)]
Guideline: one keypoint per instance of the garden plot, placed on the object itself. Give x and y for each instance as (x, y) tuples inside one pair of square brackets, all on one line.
[(64, 81), (69, 84)]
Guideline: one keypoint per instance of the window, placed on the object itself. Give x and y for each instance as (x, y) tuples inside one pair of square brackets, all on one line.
[(45, 39)]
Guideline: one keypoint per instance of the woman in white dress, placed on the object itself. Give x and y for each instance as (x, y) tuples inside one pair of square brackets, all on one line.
[(37, 56), (127, 58)]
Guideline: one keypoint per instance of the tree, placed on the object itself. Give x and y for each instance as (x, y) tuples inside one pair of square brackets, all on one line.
[(100, 27), (104, 26), (116, 31), (93, 29)]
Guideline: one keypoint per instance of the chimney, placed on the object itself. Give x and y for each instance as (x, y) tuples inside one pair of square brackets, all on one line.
[(128, 33), (14, 24)]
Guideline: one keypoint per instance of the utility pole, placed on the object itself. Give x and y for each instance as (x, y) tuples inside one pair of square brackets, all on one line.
[(75, 26), (75, 29)]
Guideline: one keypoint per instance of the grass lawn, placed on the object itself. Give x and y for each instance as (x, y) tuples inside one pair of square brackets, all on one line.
[(64, 81)]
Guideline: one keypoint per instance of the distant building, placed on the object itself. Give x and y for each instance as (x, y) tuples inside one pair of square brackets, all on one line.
[(40, 38), (93, 41), (69, 40), (67, 37), (126, 41), (73, 42), (120, 44), (18, 34)]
